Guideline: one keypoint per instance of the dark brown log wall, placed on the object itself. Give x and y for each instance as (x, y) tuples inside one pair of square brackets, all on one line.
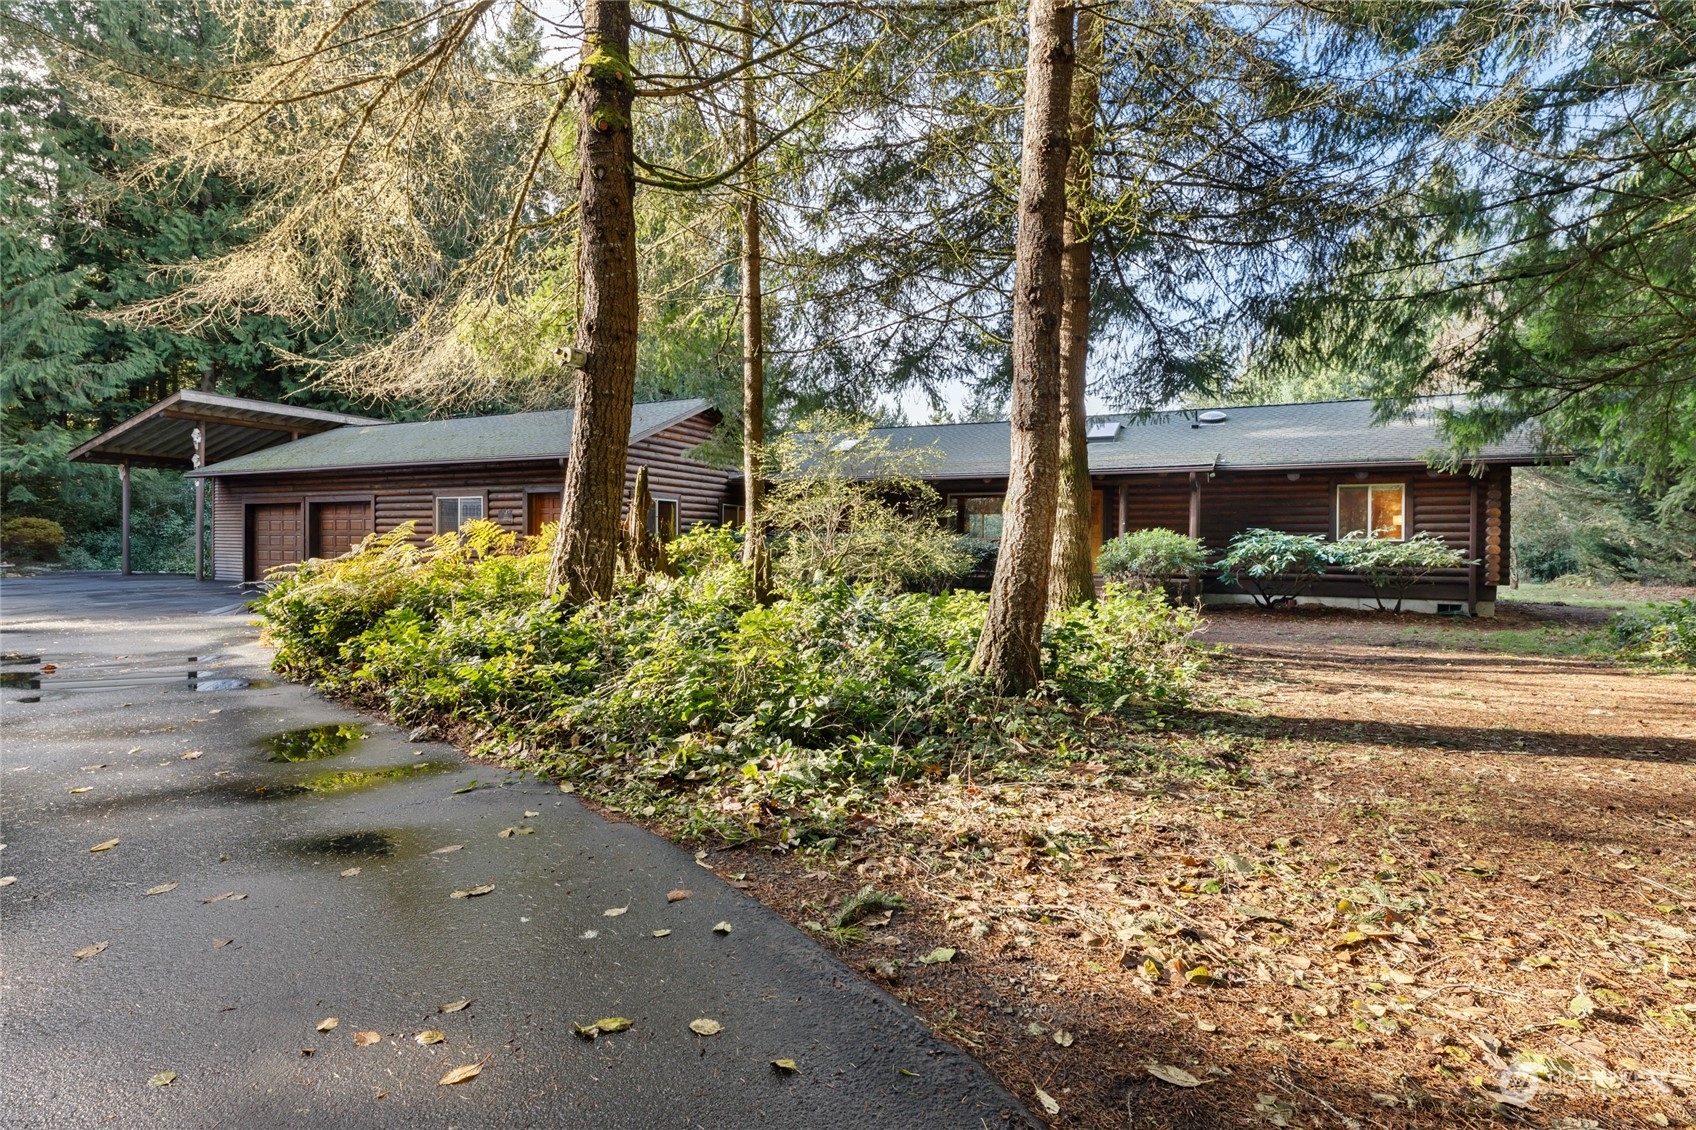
[(402, 494), (1157, 501), (1231, 502)]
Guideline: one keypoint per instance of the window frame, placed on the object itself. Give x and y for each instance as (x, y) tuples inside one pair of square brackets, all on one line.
[(676, 518), (959, 502), (482, 498), (733, 514), (1337, 530)]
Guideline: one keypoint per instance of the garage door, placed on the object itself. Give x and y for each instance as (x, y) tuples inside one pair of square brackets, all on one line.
[(273, 537), (338, 526), (540, 508)]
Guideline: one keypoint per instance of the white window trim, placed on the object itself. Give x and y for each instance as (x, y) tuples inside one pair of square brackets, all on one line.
[(1337, 508), (458, 500)]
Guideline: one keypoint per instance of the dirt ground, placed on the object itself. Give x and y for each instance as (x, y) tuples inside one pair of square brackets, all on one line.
[(1406, 872)]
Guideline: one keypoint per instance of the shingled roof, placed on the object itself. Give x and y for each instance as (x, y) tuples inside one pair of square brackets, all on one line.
[(1251, 437), (470, 439)]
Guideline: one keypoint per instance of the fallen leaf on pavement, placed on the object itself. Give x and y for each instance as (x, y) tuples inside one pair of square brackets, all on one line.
[(445, 850), (678, 895), (785, 1064), (366, 1039), (350, 873), (453, 1006), (456, 792), (7, 880), (705, 1027), (220, 943), (1176, 1076), (507, 833), (106, 845), (722, 928), (328, 1024), (937, 956), (461, 1074), (430, 1036), (531, 815), (473, 892), (163, 1079), (90, 951), (227, 896), (192, 755), (1047, 1101), (614, 911), (605, 1024), (82, 789), (701, 860), (662, 933), (162, 888), (906, 1071)]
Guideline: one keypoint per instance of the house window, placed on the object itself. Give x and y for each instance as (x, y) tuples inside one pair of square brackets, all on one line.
[(980, 516), (733, 515), (453, 513), (662, 519), (1374, 509)]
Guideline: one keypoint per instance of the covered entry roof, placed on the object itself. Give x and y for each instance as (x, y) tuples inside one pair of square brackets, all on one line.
[(163, 435)]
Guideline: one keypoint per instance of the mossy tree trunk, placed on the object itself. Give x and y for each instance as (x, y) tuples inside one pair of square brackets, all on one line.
[(1072, 571), (1009, 652), (586, 551)]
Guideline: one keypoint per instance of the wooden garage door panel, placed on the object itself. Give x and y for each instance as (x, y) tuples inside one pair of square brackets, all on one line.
[(540, 508), (273, 537), (338, 526)]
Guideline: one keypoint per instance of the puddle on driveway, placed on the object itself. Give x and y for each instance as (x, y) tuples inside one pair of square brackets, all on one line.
[(314, 743), (349, 844), (329, 782), (195, 672)]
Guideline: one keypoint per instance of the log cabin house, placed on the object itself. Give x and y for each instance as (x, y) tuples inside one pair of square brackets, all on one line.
[(290, 483), (1318, 468)]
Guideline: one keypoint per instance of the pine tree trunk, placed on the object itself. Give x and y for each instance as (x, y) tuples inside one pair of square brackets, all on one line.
[(1072, 571), (587, 548), (1009, 652), (755, 554)]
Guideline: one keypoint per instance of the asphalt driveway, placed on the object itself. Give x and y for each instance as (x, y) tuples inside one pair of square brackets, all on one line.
[(276, 860)]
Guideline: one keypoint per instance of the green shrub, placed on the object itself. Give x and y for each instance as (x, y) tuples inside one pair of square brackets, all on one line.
[(1661, 634), (1272, 565), (684, 686), (33, 539), (1394, 567), (1151, 558), (1128, 645), (851, 507)]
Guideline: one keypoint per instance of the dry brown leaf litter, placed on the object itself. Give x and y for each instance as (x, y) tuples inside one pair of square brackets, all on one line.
[(1404, 915)]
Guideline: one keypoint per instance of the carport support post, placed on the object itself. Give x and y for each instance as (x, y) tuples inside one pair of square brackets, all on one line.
[(124, 517), (200, 505)]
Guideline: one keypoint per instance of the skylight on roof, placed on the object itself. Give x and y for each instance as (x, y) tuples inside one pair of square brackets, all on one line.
[(1103, 431)]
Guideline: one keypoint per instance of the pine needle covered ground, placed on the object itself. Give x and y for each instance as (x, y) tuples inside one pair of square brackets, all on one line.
[(1393, 876)]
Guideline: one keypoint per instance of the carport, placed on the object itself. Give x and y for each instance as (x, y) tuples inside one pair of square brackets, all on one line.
[(190, 429)]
